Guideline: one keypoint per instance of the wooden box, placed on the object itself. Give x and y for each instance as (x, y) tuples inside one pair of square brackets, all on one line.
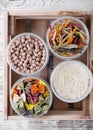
[(37, 22)]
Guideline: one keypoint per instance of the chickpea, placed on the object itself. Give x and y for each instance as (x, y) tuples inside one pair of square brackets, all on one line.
[(25, 69), (37, 63), (31, 45), (37, 50), (11, 50), (32, 71), (29, 40), (33, 57), (13, 46), (38, 67), (23, 40), (28, 71), (36, 54), (39, 53), (28, 55), (13, 55), (15, 58), (33, 65), (42, 62), (29, 49), (37, 59), (33, 41), (23, 54), (36, 43), (18, 69), (17, 42), (16, 52), (43, 57), (26, 41), (33, 61), (20, 46), (24, 48)]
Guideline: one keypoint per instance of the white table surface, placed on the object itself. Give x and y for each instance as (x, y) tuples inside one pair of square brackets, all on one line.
[(40, 5)]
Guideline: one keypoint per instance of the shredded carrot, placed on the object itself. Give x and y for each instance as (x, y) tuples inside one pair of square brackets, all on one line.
[(70, 38), (65, 25), (74, 30), (80, 45), (70, 54)]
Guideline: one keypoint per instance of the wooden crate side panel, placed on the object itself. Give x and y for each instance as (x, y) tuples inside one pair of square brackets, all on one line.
[(91, 67), (47, 13), (5, 66)]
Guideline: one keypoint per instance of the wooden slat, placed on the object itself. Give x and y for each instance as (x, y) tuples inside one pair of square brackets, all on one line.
[(39, 27), (13, 76), (56, 115), (48, 13), (91, 38), (91, 67), (12, 22), (20, 24), (5, 66), (85, 105), (78, 105), (10, 110), (91, 105), (59, 105)]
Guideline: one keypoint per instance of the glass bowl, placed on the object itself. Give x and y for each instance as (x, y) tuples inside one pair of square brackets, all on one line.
[(66, 90), (28, 103), (20, 63), (67, 47)]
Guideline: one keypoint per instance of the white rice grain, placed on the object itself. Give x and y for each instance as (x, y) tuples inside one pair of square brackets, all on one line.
[(71, 80)]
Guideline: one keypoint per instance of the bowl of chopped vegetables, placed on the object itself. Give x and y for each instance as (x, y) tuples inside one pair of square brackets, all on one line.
[(31, 97), (67, 37)]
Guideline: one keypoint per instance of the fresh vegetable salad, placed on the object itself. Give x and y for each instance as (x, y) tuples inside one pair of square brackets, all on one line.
[(31, 97), (67, 38)]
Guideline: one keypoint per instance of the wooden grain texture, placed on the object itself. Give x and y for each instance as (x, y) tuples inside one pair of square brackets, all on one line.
[(91, 67), (46, 125), (5, 67), (47, 13), (44, 5), (13, 26)]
